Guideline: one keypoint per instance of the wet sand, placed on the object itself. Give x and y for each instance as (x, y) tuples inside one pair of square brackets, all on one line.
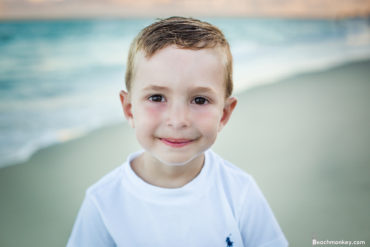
[(306, 140)]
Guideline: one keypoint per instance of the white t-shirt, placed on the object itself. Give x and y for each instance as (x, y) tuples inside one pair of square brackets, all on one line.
[(222, 206)]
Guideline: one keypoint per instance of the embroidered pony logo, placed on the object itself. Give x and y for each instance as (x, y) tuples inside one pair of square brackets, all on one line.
[(229, 242)]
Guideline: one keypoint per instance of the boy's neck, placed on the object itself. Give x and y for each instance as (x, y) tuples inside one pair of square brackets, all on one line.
[(158, 174)]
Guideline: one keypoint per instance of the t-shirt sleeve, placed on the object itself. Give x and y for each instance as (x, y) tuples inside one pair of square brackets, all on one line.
[(89, 228), (258, 225)]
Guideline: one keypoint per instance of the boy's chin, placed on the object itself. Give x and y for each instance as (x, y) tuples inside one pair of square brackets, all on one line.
[(176, 161)]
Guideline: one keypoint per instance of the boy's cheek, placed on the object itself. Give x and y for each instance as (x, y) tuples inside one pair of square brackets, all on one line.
[(209, 114), (210, 120), (152, 110), (207, 119), (145, 115)]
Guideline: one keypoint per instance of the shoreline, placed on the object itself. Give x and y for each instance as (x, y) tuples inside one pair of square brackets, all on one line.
[(53, 107), (83, 134), (70, 138)]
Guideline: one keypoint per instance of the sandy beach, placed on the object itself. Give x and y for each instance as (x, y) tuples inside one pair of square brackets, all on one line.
[(305, 140)]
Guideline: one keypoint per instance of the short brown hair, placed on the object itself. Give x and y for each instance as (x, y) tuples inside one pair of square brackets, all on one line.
[(186, 33)]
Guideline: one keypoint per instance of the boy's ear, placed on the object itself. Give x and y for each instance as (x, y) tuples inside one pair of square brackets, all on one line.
[(230, 104), (127, 107)]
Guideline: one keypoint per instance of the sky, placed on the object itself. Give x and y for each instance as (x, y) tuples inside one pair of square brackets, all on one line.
[(31, 9)]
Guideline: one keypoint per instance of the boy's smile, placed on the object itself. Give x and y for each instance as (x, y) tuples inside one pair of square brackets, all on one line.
[(177, 103), (176, 143)]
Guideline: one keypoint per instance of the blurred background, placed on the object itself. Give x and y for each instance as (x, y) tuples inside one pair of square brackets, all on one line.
[(301, 128)]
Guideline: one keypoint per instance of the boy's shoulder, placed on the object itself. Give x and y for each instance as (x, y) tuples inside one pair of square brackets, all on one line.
[(230, 172), (112, 182), (234, 181), (108, 183)]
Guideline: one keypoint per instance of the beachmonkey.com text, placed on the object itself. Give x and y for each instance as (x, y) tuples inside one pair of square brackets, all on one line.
[(337, 242)]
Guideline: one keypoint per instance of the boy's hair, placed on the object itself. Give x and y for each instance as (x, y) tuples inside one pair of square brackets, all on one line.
[(186, 33)]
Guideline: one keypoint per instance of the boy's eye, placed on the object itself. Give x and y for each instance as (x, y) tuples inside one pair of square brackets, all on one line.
[(156, 98), (200, 100)]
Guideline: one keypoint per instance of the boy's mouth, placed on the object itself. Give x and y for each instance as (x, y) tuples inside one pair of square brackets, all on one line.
[(172, 142)]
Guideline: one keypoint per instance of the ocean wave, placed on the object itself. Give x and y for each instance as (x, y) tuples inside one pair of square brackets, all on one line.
[(60, 80)]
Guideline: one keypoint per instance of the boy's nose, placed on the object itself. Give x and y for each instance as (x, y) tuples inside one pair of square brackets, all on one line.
[(178, 116)]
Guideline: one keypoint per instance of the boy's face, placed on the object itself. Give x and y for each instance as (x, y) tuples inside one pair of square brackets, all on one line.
[(177, 103)]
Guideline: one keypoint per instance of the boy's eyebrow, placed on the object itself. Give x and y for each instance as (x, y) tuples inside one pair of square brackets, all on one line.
[(195, 89), (155, 87), (203, 90)]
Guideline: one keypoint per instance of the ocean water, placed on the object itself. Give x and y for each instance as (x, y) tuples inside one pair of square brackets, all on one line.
[(61, 79)]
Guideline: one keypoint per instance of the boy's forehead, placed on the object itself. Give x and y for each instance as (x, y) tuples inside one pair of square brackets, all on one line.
[(176, 64), (175, 52), (173, 57)]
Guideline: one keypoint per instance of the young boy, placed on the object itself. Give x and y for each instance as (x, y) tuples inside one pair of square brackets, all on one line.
[(177, 192)]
